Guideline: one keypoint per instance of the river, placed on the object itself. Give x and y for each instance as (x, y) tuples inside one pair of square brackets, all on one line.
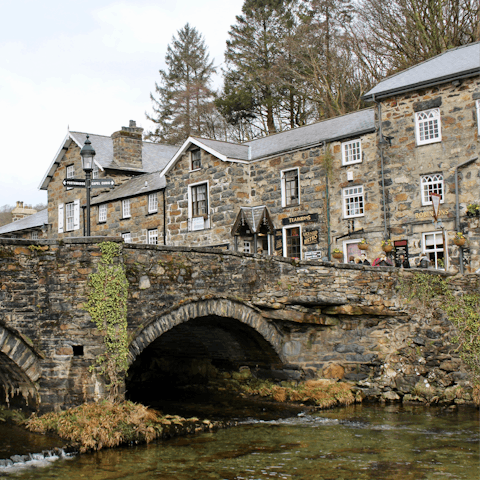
[(355, 443)]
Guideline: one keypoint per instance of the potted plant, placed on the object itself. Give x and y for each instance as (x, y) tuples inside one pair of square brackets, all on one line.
[(387, 245), (363, 245), (473, 210), (459, 239), (337, 253)]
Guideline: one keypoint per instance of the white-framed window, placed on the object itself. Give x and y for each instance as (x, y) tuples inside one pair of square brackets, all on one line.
[(247, 247), (433, 248), (292, 241), (432, 184), (126, 208), (352, 152), (198, 206), (102, 213), (196, 159), (427, 126), (70, 173), (290, 187), (353, 202), (478, 117), (153, 203), (34, 235), (95, 170), (127, 237), (69, 216), (152, 236)]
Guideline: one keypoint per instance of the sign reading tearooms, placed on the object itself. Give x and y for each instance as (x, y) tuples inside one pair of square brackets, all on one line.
[(308, 217)]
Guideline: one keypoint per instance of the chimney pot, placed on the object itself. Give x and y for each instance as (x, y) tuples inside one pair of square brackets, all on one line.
[(133, 123)]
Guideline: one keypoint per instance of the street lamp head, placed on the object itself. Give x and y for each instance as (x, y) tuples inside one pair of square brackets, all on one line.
[(87, 153)]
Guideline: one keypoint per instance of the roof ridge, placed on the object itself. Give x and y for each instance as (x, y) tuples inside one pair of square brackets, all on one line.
[(426, 61), (310, 124), (220, 141)]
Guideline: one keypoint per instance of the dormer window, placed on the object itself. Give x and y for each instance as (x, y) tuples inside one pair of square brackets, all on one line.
[(196, 159), (95, 170)]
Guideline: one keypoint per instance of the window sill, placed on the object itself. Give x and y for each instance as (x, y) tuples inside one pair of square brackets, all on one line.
[(347, 164), (102, 223), (429, 142), (126, 218), (151, 213), (195, 169)]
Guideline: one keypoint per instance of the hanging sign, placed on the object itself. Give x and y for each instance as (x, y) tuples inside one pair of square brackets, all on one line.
[(309, 217), (436, 204), (310, 238)]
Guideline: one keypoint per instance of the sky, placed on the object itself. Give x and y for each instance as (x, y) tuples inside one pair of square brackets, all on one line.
[(87, 65)]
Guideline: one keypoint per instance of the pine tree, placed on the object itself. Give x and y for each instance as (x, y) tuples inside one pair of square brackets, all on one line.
[(183, 101), (253, 82)]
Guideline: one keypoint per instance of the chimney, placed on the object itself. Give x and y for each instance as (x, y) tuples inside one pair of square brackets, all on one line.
[(22, 211), (127, 146)]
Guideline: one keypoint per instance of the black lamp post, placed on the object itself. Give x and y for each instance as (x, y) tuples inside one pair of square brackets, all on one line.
[(87, 153)]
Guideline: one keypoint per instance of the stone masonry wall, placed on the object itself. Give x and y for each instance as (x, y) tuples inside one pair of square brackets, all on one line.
[(227, 191), (58, 194), (342, 321), (406, 162)]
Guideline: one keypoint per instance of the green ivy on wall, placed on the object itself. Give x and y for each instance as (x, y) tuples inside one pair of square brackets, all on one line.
[(462, 309), (107, 305)]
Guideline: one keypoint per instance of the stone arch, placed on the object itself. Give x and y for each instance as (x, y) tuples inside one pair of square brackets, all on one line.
[(218, 307), (19, 365)]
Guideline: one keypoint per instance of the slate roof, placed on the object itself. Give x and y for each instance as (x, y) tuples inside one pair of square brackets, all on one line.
[(254, 217), (350, 125), (35, 220), (338, 128), (154, 155), (141, 184), (230, 150), (456, 63)]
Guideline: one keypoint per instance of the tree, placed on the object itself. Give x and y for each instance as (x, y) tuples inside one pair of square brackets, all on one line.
[(324, 66), (253, 80), (183, 101), (394, 35)]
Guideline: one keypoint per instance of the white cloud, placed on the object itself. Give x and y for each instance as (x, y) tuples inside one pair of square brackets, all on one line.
[(92, 69)]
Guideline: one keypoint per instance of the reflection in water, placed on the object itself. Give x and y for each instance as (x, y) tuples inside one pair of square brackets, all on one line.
[(354, 443)]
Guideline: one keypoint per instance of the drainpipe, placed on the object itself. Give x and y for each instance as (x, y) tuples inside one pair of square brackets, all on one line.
[(164, 217), (382, 143), (327, 199), (457, 205)]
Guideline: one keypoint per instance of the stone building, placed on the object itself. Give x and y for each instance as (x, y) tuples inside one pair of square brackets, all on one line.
[(123, 157), (367, 176)]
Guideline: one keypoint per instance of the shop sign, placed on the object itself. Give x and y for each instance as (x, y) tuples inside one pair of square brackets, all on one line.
[(315, 255), (310, 238), (309, 217), (429, 213)]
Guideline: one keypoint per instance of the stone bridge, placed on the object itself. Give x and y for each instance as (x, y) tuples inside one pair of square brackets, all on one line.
[(187, 306)]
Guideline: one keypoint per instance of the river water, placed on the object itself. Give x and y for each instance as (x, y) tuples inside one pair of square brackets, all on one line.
[(355, 443)]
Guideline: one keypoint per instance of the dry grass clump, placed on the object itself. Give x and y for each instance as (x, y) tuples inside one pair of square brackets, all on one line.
[(321, 393), (94, 426)]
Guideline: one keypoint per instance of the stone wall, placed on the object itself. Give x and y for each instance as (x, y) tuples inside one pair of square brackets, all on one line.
[(320, 319), (58, 194), (406, 162), (227, 191)]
